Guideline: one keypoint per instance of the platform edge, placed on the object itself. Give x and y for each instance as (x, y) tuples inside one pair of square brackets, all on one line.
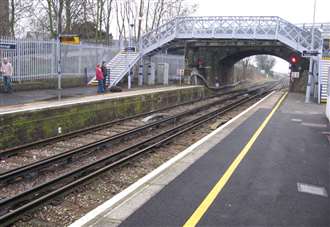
[(115, 201)]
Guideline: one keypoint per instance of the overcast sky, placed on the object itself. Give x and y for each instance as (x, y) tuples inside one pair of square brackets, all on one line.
[(295, 11)]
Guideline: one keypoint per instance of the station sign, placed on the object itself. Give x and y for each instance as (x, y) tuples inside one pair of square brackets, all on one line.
[(70, 39), (7, 46), (308, 54)]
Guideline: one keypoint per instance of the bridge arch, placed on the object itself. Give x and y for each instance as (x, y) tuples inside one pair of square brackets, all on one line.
[(220, 56)]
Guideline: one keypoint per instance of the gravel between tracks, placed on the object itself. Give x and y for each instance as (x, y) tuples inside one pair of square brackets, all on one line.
[(87, 197), (39, 153)]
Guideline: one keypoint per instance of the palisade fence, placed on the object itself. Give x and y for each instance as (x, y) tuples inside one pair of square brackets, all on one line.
[(38, 59)]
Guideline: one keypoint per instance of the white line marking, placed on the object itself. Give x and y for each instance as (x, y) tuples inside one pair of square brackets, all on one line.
[(296, 120), (312, 189), (314, 125), (122, 196)]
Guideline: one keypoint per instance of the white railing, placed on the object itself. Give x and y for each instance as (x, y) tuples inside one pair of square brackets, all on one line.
[(263, 28), (37, 59), (324, 28)]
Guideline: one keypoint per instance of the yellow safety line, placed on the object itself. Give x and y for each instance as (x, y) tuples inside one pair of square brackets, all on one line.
[(203, 207)]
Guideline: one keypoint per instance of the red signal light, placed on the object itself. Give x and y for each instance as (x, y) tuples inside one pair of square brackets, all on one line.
[(294, 60)]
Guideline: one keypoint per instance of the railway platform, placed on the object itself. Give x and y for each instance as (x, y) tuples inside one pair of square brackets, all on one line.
[(268, 166), (28, 122), (48, 98)]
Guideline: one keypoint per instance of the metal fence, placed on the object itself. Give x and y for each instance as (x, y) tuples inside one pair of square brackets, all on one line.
[(38, 59)]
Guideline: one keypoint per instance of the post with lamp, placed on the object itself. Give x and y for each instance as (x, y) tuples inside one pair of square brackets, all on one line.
[(141, 63), (58, 49), (129, 50), (311, 61)]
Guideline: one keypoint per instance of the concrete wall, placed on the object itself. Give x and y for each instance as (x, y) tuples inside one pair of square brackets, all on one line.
[(25, 127), (67, 82)]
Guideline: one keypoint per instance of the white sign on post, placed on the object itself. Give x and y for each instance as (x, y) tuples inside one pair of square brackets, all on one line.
[(295, 75)]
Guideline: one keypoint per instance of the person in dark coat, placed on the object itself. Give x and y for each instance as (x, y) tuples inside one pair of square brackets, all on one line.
[(105, 75)]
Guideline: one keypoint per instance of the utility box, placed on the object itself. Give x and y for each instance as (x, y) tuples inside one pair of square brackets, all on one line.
[(151, 74), (163, 73)]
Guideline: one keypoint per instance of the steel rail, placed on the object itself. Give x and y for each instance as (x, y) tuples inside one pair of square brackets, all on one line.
[(119, 157), (14, 150), (29, 169)]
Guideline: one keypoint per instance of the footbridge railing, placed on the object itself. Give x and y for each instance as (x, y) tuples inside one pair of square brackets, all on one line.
[(235, 27)]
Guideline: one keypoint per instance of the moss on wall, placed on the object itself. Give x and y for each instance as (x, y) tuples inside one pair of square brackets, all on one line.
[(25, 127)]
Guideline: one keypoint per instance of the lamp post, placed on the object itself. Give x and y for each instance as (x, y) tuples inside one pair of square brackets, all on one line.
[(140, 77), (130, 41), (140, 20), (139, 40), (130, 49), (59, 69), (311, 61)]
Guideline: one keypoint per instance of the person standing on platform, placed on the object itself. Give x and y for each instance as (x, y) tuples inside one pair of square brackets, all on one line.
[(7, 72), (99, 78), (105, 75)]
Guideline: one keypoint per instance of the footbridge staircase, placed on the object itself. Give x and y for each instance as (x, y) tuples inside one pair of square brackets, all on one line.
[(195, 28)]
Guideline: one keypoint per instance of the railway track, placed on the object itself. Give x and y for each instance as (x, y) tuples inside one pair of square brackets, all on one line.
[(31, 169), (23, 159), (12, 208), (16, 150)]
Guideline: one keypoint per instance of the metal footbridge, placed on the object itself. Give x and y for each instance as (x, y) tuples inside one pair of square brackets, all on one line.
[(216, 28)]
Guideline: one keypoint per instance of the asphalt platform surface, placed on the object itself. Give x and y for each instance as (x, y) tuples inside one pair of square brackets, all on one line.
[(282, 181)]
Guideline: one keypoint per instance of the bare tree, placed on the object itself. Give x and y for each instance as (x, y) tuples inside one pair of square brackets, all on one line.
[(120, 18), (54, 11), (107, 18), (266, 63), (246, 63), (18, 10), (4, 15), (165, 10), (95, 19), (68, 15), (50, 14), (59, 12), (140, 19)]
